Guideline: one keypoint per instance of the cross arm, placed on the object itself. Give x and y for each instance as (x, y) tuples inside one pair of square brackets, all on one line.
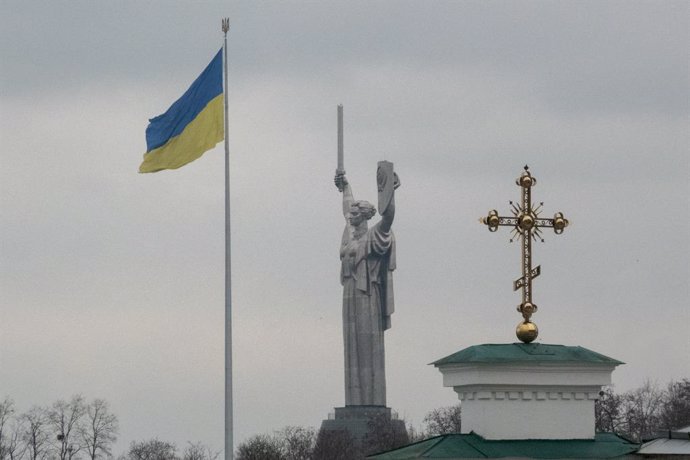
[(493, 221), (558, 223)]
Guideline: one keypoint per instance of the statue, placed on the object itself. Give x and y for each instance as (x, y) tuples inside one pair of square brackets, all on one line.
[(367, 256), (367, 261)]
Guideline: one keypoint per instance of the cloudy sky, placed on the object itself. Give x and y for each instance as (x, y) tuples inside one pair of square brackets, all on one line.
[(111, 282)]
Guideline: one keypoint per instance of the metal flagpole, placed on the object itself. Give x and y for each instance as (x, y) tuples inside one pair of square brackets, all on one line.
[(229, 448)]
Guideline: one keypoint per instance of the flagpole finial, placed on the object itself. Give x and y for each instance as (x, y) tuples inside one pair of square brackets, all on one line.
[(226, 25)]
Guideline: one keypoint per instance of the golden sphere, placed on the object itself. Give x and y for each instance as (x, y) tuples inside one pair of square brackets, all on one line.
[(493, 220), (526, 181), (526, 221), (526, 331), (559, 222)]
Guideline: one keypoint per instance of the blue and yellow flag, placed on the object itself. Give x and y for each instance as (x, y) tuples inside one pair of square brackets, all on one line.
[(191, 126)]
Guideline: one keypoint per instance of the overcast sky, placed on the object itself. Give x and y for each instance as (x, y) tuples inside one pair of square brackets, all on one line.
[(111, 282)]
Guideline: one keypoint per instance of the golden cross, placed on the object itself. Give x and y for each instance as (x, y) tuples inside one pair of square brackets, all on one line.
[(527, 226)]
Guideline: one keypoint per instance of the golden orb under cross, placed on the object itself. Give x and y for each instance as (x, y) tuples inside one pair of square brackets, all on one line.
[(527, 331)]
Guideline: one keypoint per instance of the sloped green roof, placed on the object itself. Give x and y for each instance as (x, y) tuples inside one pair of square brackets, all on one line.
[(524, 353), (458, 446)]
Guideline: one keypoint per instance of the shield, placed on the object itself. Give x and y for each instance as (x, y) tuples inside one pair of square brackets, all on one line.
[(387, 182)]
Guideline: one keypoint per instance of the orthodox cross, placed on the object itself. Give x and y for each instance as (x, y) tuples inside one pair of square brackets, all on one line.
[(527, 226)]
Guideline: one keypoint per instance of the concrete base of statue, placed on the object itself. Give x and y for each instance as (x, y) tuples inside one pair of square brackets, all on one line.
[(357, 421), (527, 391)]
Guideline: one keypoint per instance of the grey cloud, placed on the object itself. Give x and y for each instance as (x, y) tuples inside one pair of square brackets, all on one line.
[(585, 56)]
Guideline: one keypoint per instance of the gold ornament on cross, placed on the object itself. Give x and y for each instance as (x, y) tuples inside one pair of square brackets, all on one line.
[(527, 226)]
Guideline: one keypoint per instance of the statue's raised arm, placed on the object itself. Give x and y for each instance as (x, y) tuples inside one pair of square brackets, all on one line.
[(344, 186)]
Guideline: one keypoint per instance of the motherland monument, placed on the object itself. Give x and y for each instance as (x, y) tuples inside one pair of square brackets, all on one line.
[(367, 256)]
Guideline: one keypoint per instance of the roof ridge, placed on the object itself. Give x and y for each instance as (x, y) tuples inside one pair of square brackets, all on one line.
[(519, 352), (440, 439)]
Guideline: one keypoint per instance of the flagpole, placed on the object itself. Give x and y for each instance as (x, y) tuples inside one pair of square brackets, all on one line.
[(229, 448)]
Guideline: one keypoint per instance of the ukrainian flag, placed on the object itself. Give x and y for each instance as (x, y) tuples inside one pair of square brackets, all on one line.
[(191, 126)]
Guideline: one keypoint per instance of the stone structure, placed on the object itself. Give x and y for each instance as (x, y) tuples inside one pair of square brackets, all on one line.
[(524, 401), (527, 391), (367, 261)]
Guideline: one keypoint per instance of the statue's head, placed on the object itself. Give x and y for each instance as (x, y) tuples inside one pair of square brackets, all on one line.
[(361, 211)]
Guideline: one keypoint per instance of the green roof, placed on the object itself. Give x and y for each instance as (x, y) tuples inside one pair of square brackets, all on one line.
[(457, 446), (525, 353)]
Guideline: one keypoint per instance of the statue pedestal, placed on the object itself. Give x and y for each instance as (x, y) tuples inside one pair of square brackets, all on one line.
[(357, 421), (527, 391)]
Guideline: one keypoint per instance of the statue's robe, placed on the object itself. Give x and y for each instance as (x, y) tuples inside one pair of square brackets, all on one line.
[(366, 276)]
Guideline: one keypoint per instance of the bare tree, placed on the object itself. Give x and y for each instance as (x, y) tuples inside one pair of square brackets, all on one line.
[(99, 429), (11, 430), (153, 449), (608, 411), (642, 411), (413, 434), (297, 443), (35, 433), (260, 447), (382, 435), (444, 420), (64, 418), (675, 408), (6, 411), (336, 445), (199, 451), (14, 447)]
